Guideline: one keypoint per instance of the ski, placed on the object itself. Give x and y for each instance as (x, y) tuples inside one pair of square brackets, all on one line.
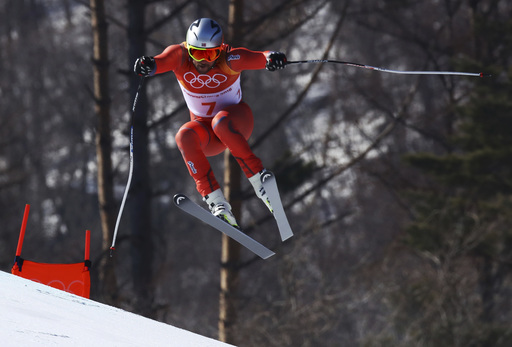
[(269, 183), (190, 207)]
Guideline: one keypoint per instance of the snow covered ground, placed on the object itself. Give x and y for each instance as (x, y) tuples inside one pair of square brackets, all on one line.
[(32, 314)]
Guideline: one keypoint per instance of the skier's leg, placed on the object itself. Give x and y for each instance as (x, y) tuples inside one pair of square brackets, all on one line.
[(192, 138), (233, 126), (195, 139)]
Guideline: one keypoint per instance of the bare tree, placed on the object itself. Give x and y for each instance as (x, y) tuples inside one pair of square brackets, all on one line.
[(140, 192), (103, 145), (230, 257)]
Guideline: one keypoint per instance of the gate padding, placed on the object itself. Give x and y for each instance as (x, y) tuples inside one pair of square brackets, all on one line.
[(73, 278)]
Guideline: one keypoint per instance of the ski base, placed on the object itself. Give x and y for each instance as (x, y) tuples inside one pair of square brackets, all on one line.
[(190, 207), (270, 184)]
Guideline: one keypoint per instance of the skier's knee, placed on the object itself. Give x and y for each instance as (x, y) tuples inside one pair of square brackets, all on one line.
[(186, 137), (220, 123)]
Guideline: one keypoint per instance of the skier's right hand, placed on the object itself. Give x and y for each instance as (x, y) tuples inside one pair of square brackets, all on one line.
[(144, 66)]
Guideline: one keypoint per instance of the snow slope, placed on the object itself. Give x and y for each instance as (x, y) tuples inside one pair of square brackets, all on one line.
[(32, 314)]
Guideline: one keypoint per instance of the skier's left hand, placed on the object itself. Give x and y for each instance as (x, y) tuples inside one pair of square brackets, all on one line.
[(275, 61)]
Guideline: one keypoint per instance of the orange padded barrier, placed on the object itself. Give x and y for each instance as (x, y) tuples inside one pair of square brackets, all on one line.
[(73, 278)]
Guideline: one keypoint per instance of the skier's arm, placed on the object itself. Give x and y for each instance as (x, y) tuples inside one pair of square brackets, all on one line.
[(170, 59), (166, 61), (240, 59)]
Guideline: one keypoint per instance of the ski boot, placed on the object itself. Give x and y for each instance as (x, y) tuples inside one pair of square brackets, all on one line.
[(220, 207), (259, 190)]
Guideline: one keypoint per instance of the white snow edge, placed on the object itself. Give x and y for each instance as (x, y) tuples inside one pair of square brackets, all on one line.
[(32, 314)]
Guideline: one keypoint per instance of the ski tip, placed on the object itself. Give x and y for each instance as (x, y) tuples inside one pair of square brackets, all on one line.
[(266, 175), (178, 198)]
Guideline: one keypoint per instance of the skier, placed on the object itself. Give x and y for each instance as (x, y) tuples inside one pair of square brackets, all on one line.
[(208, 72)]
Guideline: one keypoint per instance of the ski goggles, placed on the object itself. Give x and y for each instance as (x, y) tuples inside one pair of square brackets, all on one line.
[(200, 54)]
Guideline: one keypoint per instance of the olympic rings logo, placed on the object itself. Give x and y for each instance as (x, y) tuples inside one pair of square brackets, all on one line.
[(204, 80), (74, 287)]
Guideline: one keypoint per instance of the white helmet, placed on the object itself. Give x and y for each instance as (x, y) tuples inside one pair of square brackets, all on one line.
[(204, 33)]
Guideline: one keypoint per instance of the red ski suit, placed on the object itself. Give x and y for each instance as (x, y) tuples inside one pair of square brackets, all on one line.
[(219, 119)]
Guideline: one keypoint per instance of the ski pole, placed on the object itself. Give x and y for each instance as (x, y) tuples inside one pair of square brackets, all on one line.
[(130, 173), (476, 74)]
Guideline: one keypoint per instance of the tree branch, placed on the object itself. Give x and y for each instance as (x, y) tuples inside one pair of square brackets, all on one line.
[(286, 114)]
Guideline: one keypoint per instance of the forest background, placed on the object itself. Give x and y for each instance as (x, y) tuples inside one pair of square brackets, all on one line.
[(398, 188)]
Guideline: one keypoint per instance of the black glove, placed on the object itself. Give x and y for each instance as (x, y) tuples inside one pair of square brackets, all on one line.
[(144, 66), (275, 61)]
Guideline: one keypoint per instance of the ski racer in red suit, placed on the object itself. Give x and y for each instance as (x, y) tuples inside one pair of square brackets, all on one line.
[(208, 72)]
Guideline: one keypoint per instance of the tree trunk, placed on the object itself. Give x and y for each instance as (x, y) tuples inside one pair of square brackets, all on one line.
[(230, 257), (107, 275), (140, 191)]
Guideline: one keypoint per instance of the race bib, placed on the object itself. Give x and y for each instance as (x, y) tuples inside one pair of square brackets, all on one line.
[(209, 104)]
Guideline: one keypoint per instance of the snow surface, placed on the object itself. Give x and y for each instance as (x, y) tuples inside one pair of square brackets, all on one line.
[(32, 314)]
